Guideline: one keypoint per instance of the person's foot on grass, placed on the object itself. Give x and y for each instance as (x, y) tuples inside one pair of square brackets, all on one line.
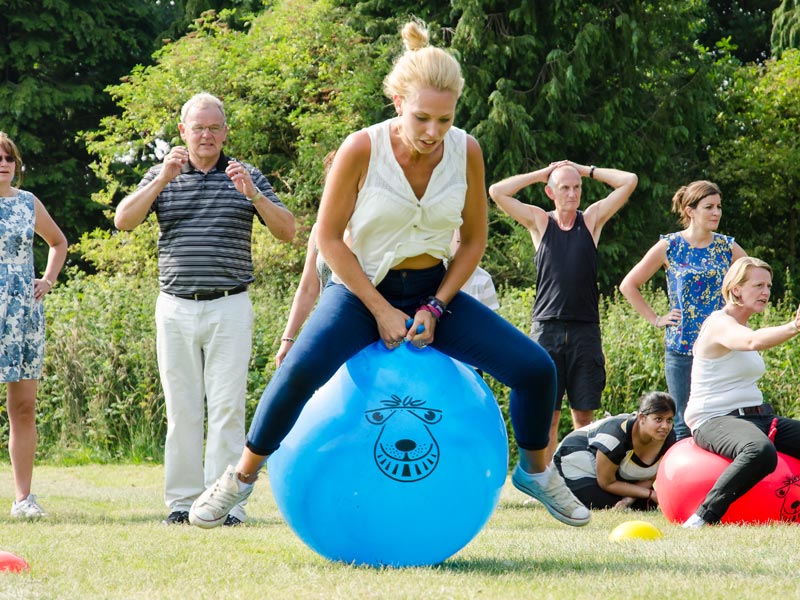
[(694, 522), (177, 517), (556, 497), (213, 506), (27, 508)]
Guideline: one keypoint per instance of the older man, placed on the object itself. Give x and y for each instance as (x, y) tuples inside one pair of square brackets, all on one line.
[(205, 203), (566, 320)]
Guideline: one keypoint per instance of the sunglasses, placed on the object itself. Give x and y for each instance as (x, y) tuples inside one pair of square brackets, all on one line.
[(7, 158)]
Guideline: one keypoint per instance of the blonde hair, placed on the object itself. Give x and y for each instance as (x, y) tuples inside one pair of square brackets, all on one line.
[(422, 65), (8, 145), (689, 196), (738, 274), (202, 100)]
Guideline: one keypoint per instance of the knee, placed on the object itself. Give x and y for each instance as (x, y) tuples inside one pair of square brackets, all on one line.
[(539, 367), (297, 376), (22, 411), (762, 455)]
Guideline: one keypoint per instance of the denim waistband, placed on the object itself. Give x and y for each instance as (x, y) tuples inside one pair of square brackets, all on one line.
[(411, 285)]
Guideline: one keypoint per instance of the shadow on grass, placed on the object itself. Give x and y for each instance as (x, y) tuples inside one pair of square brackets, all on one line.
[(150, 518), (564, 567)]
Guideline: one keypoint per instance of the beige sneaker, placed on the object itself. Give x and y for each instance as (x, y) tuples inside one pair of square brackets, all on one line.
[(213, 506), (27, 509), (556, 497)]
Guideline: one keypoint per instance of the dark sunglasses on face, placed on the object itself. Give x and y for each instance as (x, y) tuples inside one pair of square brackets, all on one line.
[(7, 158)]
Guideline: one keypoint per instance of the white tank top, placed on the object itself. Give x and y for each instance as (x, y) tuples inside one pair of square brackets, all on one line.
[(389, 224), (720, 385)]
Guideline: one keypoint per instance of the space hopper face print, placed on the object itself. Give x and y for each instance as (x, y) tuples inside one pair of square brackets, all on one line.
[(789, 492), (405, 449)]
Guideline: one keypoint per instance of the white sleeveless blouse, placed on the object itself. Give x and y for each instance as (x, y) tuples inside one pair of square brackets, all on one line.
[(389, 223)]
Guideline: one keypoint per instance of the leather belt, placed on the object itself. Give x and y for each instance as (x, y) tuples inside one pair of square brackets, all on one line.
[(748, 411), (213, 295)]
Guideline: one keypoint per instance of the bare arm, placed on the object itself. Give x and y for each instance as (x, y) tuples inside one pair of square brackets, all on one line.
[(533, 218), (721, 333), (645, 269), (304, 299), (347, 173), (607, 480), (737, 252), (278, 219), (134, 207), (598, 214), (47, 229)]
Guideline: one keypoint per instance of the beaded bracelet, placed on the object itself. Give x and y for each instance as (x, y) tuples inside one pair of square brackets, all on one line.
[(434, 306), (287, 339)]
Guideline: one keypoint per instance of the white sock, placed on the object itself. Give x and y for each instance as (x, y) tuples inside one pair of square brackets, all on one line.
[(244, 486), (540, 478)]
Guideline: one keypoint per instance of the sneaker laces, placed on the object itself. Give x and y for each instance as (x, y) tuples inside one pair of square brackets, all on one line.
[(559, 494), (221, 498)]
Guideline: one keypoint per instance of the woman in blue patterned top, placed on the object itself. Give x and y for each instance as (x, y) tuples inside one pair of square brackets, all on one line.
[(696, 260), (22, 316)]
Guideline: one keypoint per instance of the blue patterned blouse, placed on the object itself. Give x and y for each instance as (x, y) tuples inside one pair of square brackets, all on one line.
[(694, 285)]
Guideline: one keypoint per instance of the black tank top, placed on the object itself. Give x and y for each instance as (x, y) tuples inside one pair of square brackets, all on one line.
[(566, 274)]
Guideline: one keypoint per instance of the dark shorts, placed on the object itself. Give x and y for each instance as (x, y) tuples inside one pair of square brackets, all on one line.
[(577, 350)]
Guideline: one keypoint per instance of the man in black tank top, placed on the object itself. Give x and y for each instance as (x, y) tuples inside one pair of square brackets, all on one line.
[(566, 319)]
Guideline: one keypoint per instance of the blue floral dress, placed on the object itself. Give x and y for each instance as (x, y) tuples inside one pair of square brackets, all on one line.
[(21, 318), (694, 285)]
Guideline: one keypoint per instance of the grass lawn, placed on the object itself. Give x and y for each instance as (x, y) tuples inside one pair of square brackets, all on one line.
[(103, 539)]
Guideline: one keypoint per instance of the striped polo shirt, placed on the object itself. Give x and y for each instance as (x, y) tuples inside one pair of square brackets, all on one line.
[(205, 229)]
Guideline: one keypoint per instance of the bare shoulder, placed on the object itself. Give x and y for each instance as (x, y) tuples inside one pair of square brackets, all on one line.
[(474, 154), (356, 145), (351, 160), (473, 147)]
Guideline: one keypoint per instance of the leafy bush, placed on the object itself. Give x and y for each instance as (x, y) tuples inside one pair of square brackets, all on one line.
[(294, 85), (100, 397), (101, 400)]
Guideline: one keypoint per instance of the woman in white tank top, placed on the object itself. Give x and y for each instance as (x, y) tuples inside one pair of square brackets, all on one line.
[(725, 411)]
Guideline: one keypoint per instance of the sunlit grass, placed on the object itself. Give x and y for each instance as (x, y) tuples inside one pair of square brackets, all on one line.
[(103, 539)]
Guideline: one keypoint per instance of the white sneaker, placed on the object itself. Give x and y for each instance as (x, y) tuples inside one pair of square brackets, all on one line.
[(27, 509), (556, 497), (694, 522), (212, 507)]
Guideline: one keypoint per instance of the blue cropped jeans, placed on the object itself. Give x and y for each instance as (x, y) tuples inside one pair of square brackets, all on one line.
[(678, 372), (341, 326)]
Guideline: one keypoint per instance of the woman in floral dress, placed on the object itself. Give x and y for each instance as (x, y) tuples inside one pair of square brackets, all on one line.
[(696, 260), (22, 315)]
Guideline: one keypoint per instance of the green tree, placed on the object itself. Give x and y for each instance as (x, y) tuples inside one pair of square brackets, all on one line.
[(786, 27), (380, 18), (746, 23), (622, 84), (294, 85), (755, 160), (183, 13), (55, 59)]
